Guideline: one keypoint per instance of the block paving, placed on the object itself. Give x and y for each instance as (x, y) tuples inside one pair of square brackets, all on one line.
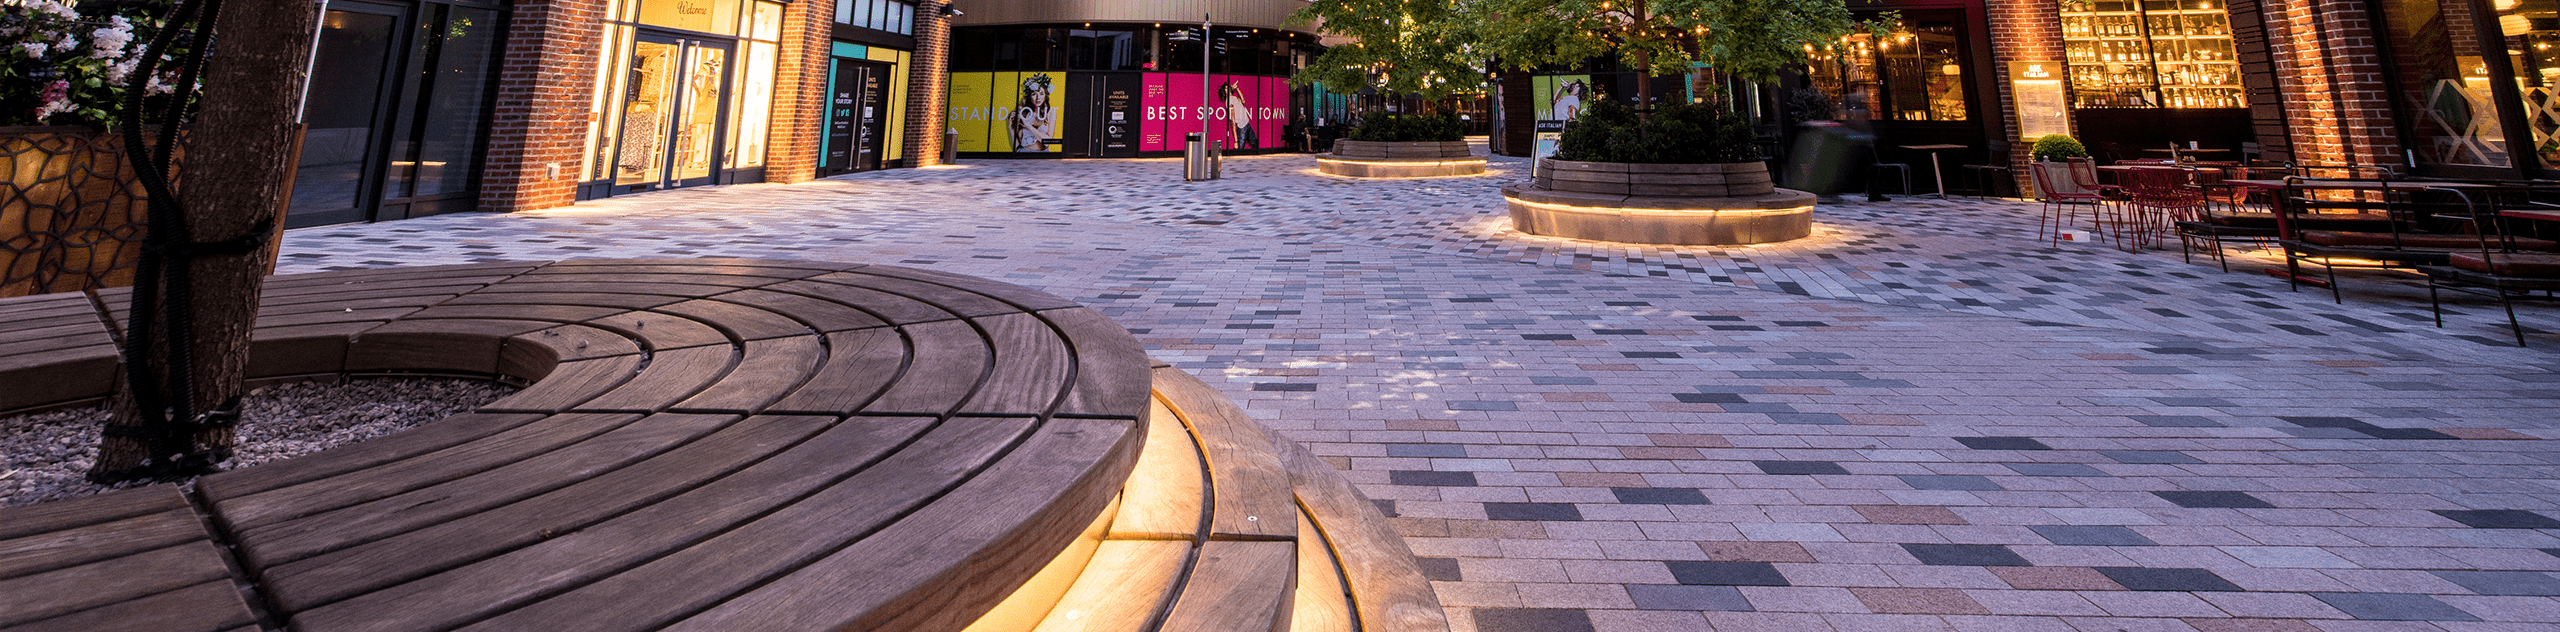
[(1923, 417)]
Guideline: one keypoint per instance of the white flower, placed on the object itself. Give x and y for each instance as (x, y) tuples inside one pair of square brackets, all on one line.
[(35, 49), (122, 69), (107, 43)]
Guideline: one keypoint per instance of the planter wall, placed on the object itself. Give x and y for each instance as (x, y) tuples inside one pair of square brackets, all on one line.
[(1697, 204), (1373, 159), (71, 213)]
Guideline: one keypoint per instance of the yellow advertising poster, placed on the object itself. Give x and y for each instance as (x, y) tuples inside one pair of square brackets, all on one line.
[(1032, 118), (1003, 92), (969, 111)]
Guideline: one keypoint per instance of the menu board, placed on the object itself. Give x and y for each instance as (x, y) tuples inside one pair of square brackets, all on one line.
[(2043, 104)]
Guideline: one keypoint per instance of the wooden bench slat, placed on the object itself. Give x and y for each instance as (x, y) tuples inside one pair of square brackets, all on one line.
[(1042, 593), (60, 339), (71, 513), (1031, 366), (950, 561), (463, 346), (575, 285), (302, 349), (1121, 589), (579, 342), (546, 312), (789, 264), (378, 275), (949, 361), (387, 285), (65, 591), (407, 556), (1385, 581), (207, 607), (599, 572), (892, 308), (1015, 294), (1164, 495), (1322, 603), (746, 322), (662, 331), (860, 363), (768, 370), (825, 315), (1111, 366), (1252, 488), (52, 550), (965, 303), (81, 314), (334, 316), (56, 377), (594, 299), (277, 543), (577, 274), (570, 384), (482, 453), (1239, 586), (669, 377), (441, 434), (683, 267)]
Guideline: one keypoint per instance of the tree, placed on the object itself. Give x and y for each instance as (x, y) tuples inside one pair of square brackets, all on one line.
[(1399, 47), (196, 295), (1750, 39)]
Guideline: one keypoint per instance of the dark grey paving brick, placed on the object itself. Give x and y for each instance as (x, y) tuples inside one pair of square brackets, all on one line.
[(2504, 582), (2193, 402), (1950, 482), (1727, 573), (1427, 450), (1811, 419), (2156, 457), (1440, 569), (1697, 598), (2003, 443), (1480, 405), (1711, 398), (2226, 500), (1800, 467), (1545, 380), (2393, 607), (2054, 469), (2176, 421), (2168, 579), (1659, 495), (2500, 518), (1554, 512), (1965, 555), (1284, 387), (1532, 620), (2080, 535), (1432, 479)]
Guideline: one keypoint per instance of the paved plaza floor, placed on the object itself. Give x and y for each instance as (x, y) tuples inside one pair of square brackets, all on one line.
[(1923, 417)]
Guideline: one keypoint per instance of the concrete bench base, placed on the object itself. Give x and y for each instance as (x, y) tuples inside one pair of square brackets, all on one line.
[(1686, 221), (1400, 167)]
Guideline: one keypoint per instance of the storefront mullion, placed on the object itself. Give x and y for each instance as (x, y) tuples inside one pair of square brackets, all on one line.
[(684, 95)]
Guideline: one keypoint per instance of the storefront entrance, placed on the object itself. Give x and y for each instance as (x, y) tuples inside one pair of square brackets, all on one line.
[(857, 116), (396, 111), (672, 115)]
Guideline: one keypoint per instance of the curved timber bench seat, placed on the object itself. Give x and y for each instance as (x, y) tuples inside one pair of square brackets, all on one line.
[(1674, 204), (703, 445), (1374, 159)]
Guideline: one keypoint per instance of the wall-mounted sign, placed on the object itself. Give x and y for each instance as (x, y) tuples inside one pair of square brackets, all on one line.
[(2043, 104)]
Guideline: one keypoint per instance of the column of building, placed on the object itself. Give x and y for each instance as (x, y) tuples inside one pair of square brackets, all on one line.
[(928, 79), (544, 87), (2022, 32)]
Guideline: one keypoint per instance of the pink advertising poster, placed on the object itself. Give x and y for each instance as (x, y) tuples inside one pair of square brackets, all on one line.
[(1272, 116), (1151, 132), (1181, 110)]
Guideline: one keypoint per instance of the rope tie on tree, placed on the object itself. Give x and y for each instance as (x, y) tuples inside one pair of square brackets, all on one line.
[(162, 294)]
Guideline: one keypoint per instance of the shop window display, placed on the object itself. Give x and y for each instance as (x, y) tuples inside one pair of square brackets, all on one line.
[(2151, 53), (1912, 74)]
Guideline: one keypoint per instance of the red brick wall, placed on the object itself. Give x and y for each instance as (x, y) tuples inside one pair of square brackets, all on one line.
[(927, 80), (799, 99), (2021, 30), (2329, 72), (545, 85)]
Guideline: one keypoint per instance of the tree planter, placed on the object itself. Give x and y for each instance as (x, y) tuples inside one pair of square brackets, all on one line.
[(1373, 159), (1696, 204), (71, 212)]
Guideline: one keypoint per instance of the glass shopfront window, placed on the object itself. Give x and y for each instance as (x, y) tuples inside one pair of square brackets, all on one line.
[(2151, 53), (2449, 96), (683, 95), (397, 111), (879, 15), (1916, 73)]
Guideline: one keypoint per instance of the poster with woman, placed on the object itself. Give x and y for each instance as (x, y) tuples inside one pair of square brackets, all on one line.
[(1033, 119)]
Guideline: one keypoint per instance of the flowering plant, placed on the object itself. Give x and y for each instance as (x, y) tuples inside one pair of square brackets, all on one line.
[(62, 64)]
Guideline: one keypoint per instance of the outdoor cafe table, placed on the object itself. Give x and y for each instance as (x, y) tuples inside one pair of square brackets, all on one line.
[(1934, 171)]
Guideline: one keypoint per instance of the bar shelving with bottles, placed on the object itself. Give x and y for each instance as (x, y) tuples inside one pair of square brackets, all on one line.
[(2150, 53)]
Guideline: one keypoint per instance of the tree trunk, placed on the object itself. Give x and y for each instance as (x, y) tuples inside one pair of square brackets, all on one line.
[(238, 149)]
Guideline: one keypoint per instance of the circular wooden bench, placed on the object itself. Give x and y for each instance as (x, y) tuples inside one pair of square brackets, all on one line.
[(711, 445)]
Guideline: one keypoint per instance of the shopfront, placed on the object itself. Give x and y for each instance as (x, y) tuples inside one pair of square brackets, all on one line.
[(2474, 84), (866, 86), (1123, 90), (1923, 83), (398, 107), (684, 94)]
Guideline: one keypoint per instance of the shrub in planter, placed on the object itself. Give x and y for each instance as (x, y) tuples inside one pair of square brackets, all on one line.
[(1409, 129), (2057, 147), (1680, 133)]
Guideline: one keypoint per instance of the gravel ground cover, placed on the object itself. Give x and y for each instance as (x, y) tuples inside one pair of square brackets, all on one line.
[(44, 456)]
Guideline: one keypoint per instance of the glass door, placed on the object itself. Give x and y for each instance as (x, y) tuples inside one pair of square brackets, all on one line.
[(672, 113), (342, 113)]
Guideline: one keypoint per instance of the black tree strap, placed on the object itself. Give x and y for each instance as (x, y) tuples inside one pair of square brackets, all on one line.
[(168, 424)]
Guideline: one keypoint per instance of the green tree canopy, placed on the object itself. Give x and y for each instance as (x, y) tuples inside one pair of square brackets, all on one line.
[(1399, 46)]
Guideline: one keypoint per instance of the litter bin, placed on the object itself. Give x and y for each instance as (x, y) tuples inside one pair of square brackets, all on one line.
[(1196, 161), (950, 146), (1828, 158)]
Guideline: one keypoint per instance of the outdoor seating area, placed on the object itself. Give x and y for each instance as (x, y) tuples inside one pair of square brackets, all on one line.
[(711, 444)]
